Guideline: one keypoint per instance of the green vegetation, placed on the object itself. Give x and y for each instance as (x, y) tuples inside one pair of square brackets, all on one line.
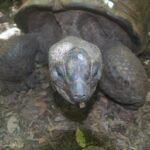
[(80, 138), (6, 4)]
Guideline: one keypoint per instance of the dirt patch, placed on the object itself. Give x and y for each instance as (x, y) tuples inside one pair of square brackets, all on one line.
[(32, 119)]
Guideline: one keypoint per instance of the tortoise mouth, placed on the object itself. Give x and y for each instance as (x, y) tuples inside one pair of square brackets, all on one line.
[(77, 96), (72, 98)]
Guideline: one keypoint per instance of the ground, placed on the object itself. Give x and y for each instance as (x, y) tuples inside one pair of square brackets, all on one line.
[(35, 117)]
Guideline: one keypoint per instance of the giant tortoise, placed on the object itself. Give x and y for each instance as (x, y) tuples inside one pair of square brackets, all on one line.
[(86, 43)]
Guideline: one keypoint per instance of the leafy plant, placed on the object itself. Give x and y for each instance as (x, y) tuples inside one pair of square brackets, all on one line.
[(80, 138)]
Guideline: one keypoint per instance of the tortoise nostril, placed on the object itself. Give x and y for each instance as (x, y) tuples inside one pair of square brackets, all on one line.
[(79, 97)]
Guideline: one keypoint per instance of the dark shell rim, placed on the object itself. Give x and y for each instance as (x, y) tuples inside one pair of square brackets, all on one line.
[(125, 24)]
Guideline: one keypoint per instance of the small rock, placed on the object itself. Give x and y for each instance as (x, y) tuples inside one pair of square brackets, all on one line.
[(59, 118), (30, 92), (43, 93), (45, 86), (17, 144), (12, 124), (42, 140)]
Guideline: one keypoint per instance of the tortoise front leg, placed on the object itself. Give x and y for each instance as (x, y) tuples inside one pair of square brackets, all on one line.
[(17, 57), (45, 26), (124, 77)]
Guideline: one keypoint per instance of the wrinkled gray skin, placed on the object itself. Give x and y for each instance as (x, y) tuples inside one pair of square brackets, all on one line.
[(76, 73)]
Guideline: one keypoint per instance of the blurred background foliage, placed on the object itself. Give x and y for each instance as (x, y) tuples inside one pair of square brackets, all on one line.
[(6, 4)]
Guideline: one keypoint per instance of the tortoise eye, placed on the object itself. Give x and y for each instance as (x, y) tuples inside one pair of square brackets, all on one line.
[(94, 70), (60, 72)]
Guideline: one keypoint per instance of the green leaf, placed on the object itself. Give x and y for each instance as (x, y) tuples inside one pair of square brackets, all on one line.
[(80, 138)]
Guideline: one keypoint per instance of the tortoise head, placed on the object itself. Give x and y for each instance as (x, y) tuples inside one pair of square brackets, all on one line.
[(75, 68)]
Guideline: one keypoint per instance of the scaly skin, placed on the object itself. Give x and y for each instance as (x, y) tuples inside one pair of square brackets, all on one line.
[(17, 56), (124, 78)]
